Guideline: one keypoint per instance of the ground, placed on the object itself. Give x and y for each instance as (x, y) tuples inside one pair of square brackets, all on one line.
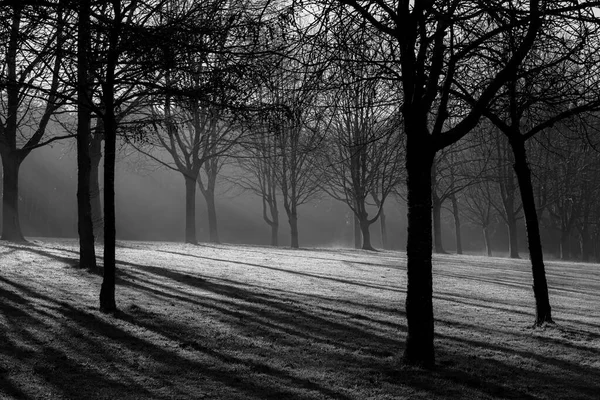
[(249, 322)]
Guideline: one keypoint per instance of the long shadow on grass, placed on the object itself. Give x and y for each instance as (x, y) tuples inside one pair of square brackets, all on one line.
[(268, 313), (523, 369), (304, 274), (97, 363), (31, 342)]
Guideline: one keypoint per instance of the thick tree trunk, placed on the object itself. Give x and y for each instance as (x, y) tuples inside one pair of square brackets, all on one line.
[(190, 210), (513, 241), (486, 239), (540, 285), (293, 220), (11, 227), (357, 233), (85, 228), (457, 235), (419, 296), (95, 194), (437, 225), (211, 208), (107, 291), (366, 234)]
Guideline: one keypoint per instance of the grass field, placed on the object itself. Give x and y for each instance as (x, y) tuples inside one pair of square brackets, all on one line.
[(247, 322)]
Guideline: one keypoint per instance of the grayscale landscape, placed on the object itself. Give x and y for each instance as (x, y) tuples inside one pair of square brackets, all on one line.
[(254, 322), (316, 199)]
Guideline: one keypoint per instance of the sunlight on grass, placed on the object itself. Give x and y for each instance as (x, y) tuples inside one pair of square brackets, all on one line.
[(250, 322)]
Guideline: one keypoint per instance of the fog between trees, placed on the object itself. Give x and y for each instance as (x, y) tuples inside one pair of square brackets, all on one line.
[(457, 91)]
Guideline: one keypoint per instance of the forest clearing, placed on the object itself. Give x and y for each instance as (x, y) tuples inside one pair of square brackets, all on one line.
[(250, 322)]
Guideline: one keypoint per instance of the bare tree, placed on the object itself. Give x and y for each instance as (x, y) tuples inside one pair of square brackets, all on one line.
[(437, 45), (362, 155), (31, 93)]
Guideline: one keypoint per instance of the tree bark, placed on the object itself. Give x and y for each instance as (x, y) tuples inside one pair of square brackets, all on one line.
[(87, 252), (513, 241), (95, 193), (107, 291), (419, 296), (540, 285), (457, 235), (211, 208), (357, 233), (275, 234), (383, 226), (585, 244), (437, 224), (486, 239), (366, 234), (293, 220), (190, 210), (11, 227)]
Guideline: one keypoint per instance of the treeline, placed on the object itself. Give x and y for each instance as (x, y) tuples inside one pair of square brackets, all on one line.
[(487, 105)]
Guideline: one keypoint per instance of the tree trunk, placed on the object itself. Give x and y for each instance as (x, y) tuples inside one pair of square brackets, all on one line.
[(513, 241), (85, 228), (293, 219), (383, 226), (366, 234), (357, 234), (275, 234), (419, 296), (456, 215), (540, 285), (11, 227), (585, 243), (437, 224), (486, 239), (95, 200), (211, 208), (190, 210), (565, 245), (107, 291)]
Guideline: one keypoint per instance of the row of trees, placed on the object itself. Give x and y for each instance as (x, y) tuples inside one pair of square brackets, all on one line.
[(331, 96)]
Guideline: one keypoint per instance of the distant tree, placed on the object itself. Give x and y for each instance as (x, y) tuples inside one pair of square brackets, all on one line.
[(297, 125), (362, 155), (259, 164), (193, 118), (506, 200), (478, 199), (449, 177)]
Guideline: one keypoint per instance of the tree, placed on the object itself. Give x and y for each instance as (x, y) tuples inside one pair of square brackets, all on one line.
[(87, 251), (259, 164), (449, 178), (292, 90), (31, 93), (362, 155), (437, 44), (194, 117), (546, 89)]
